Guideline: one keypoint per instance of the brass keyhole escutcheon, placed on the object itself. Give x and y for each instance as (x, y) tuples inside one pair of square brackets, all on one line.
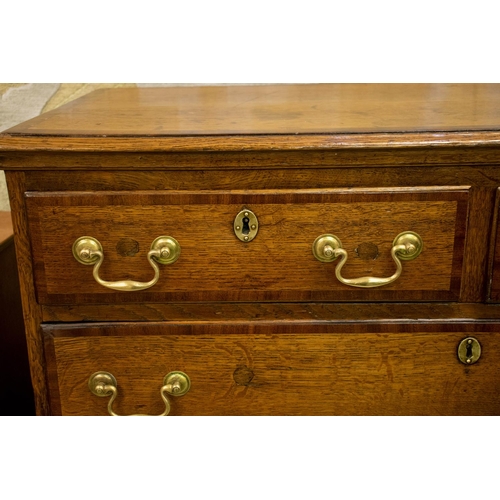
[(469, 351), (246, 225)]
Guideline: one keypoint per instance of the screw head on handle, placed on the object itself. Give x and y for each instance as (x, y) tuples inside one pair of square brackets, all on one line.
[(177, 383), (324, 247)]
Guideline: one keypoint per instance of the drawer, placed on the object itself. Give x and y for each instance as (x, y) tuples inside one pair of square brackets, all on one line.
[(277, 265), (276, 369), (494, 295)]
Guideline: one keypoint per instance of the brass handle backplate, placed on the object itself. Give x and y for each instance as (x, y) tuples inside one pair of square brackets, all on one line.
[(406, 246), (103, 384), (89, 251)]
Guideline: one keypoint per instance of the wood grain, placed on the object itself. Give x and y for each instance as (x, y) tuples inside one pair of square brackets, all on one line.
[(31, 309), (309, 370), (395, 143), (337, 312), (484, 182), (273, 109), (478, 234), (494, 257), (263, 328), (107, 155), (249, 179), (277, 265), (395, 123)]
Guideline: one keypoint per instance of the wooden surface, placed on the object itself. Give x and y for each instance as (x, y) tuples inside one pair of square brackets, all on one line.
[(231, 162), (31, 310), (172, 153), (215, 265), (270, 117), (299, 313), (432, 151), (266, 369), (483, 182), (494, 264), (274, 109)]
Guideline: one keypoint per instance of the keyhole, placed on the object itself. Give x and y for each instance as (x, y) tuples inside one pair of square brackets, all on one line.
[(246, 227), (468, 352)]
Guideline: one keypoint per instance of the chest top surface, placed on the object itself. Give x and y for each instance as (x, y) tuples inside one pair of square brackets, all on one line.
[(273, 109), (239, 118)]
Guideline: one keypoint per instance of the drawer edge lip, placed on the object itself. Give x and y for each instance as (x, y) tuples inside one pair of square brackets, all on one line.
[(459, 192), (328, 312), (216, 296), (269, 328)]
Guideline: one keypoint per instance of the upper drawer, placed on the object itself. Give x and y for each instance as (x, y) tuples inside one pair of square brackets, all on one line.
[(277, 265), (494, 292)]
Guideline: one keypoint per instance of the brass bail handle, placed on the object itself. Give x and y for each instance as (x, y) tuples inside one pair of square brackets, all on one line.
[(406, 246), (103, 384), (89, 251)]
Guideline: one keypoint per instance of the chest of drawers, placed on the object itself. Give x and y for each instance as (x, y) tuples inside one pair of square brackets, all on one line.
[(261, 250)]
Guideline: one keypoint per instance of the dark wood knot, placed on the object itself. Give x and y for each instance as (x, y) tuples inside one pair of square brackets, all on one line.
[(243, 375), (367, 251), (127, 247)]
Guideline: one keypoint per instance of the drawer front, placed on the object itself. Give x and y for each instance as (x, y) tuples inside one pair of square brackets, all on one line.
[(494, 292), (271, 369), (277, 265)]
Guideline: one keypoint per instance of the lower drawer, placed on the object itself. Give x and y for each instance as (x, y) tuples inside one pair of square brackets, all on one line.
[(277, 369)]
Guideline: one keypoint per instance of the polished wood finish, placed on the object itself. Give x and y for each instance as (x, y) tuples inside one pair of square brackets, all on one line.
[(260, 179), (308, 159), (339, 312), (362, 119), (278, 369), (494, 261), (215, 265), (31, 309), (340, 152), (273, 109), (483, 183)]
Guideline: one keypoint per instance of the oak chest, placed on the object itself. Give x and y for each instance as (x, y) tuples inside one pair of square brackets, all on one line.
[(261, 250)]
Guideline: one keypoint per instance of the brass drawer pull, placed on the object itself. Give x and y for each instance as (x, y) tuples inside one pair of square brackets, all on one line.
[(406, 246), (88, 251), (103, 384)]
